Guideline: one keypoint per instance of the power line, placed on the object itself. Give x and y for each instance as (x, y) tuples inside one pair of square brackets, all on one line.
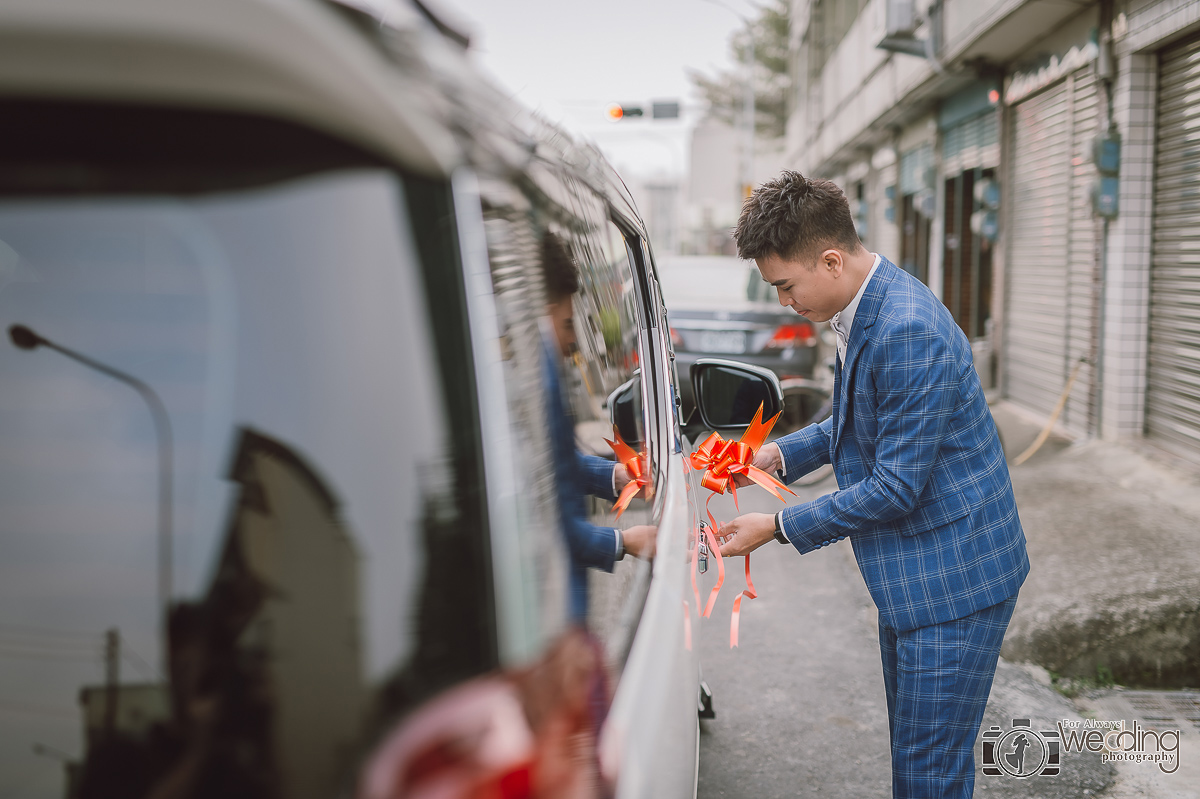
[(38, 710), (27, 645), (138, 662), (34, 640), (33, 653), (49, 631)]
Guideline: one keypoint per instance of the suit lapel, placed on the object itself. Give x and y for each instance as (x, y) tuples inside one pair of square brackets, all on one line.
[(864, 318)]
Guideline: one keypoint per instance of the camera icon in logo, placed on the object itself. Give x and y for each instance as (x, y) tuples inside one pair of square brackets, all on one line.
[(1022, 751)]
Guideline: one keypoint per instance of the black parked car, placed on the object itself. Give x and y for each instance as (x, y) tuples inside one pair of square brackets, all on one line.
[(720, 306)]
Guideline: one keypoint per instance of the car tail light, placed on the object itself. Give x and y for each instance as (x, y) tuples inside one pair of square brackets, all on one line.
[(792, 335), (676, 339)]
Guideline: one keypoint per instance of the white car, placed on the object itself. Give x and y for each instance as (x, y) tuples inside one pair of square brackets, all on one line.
[(280, 510)]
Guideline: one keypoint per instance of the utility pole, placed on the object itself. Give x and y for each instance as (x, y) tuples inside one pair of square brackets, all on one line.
[(112, 675)]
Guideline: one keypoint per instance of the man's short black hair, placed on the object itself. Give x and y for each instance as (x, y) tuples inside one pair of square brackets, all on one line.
[(562, 278), (795, 218)]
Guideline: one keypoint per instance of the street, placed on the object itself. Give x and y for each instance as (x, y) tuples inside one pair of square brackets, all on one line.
[(800, 705)]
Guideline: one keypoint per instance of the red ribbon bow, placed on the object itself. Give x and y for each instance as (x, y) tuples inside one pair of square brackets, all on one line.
[(721, 459), (633, 466)]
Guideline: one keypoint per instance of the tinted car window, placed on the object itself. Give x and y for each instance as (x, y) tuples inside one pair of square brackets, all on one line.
[(608, 317), (608, 306), (319, 480), (576, 382)]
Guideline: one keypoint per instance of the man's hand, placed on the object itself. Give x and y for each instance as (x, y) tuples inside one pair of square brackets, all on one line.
[(768, 458), (639, 540), (621, 479), (747, 533)]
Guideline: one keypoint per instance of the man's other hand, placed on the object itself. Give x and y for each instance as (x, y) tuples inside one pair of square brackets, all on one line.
[(768, 458), (747, 533), (639, 540)]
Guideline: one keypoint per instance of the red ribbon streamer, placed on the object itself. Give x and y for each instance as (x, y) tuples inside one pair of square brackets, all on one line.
[(749, 593), (695, 567), (687, 626), (715, 549)]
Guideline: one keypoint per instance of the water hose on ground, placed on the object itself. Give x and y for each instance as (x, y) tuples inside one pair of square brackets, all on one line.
[(1062, 402)]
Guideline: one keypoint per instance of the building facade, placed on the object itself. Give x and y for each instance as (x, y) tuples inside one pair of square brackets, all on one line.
[(1037, 164), (717, 164)]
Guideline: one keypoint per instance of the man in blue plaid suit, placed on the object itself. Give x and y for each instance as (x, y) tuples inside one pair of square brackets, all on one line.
[(924, 492)]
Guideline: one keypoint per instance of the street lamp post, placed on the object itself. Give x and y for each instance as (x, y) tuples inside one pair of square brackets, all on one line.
[(24, 338)]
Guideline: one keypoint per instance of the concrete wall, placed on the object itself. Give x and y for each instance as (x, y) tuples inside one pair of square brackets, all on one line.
[(861, 83), (857, 85), (713, 196), (1127, 277)]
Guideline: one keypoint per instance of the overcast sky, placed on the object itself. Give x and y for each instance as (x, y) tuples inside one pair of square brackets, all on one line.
[(570, 59)]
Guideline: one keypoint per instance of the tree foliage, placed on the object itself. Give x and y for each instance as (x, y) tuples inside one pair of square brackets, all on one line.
[(725, 92)]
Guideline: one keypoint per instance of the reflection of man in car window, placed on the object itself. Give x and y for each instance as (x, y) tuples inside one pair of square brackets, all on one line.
[(575, 474)]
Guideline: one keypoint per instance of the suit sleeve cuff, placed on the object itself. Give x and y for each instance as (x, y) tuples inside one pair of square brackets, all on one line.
[(809, 532)]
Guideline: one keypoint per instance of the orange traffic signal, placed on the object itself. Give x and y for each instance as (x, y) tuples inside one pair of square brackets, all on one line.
[(617, 112)]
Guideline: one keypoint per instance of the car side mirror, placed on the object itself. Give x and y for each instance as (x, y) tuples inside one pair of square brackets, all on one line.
[(625, 409), (729, 392)]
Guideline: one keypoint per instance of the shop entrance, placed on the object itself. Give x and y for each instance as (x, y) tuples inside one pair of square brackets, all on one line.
[(967, 254)]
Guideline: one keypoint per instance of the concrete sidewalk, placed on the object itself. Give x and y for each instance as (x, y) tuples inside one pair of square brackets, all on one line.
[(1114, 542), (1113, 596)]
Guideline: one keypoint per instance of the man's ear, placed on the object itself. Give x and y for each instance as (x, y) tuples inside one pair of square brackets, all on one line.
[(832, 260)]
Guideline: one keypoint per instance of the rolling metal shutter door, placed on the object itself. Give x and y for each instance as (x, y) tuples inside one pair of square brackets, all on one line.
[(1051, 247), (1173, 373), (970, 143), (1037, 278)]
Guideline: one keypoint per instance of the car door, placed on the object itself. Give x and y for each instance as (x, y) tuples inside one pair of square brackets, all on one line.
[(654, 717), (640, 614)]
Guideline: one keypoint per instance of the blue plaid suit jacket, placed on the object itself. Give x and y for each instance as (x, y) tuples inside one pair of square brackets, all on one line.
[(924, 490)]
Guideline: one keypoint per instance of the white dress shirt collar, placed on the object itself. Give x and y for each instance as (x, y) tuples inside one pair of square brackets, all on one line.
[(843, 321)]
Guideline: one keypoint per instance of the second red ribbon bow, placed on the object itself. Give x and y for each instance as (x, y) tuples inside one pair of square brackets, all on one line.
[(721, 459)]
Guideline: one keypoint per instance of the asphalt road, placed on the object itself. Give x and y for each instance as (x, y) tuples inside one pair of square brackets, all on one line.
[(800, 705)]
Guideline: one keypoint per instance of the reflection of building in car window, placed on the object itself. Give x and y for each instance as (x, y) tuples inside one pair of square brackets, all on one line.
[(226, 305), (247, 716)]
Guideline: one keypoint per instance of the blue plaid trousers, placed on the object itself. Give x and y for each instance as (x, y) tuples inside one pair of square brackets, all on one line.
[(937, 679)]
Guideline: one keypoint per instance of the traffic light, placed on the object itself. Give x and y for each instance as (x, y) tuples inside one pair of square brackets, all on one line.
[(618, 112), (659, 109)]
